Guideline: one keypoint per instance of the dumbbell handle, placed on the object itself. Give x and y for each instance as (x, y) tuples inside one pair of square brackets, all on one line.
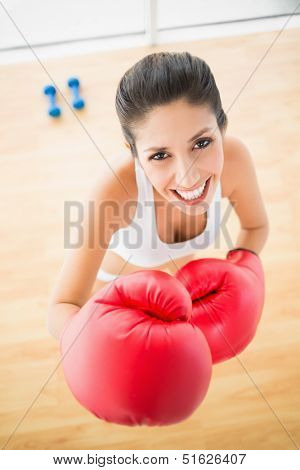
[(75, 90), (50, 92), (74, 84), (52, 101)]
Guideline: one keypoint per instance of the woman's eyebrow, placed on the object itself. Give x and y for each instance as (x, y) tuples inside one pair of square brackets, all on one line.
[(199, 133)]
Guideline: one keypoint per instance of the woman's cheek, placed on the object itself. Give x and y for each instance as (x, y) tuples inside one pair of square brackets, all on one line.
[(217, 160), (155, 178)]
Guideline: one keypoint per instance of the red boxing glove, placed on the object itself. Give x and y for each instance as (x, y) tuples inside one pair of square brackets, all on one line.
[(228, 298), (131, 356)]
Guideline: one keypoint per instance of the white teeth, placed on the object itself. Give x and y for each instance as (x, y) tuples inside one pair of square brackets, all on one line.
[(189, 195)]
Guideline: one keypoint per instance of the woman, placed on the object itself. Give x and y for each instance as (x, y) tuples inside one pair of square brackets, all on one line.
[(163, 204)]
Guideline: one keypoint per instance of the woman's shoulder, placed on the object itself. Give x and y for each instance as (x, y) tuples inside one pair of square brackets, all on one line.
[(115, 186), (234, 149), (126, 172)]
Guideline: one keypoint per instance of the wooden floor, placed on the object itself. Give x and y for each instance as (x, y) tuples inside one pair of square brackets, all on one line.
[(254, 400)]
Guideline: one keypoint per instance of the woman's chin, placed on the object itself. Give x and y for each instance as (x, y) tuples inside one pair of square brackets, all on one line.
[(198, 209)]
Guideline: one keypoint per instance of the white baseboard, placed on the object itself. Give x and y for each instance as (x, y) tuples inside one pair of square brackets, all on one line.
[(192, 33)]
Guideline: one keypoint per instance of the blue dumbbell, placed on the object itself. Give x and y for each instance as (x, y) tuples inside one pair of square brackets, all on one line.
[(53, 110), (73, 84)]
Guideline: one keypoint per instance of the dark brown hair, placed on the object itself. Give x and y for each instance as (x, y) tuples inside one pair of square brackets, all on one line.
[(160, 79)]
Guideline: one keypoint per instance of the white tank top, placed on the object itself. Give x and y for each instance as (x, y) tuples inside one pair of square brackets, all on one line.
[(139, 242)]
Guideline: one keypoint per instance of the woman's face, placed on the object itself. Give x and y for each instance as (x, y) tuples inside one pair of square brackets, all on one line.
[(181, 151)]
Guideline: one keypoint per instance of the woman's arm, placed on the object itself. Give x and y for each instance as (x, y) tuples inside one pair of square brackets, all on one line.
[(253, 239), (247, 200), (75, 281), (57, 317)]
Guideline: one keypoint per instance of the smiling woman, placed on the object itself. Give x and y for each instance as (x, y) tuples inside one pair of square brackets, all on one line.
[(177, 118), (168, 104), (172, 117), (179, 166)]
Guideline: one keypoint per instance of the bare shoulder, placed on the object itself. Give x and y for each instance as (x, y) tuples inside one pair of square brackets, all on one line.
[(116, 188), (241, 184), (237, 159)]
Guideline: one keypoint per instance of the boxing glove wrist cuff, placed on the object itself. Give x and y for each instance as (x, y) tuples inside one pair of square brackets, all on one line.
[(243, 249)]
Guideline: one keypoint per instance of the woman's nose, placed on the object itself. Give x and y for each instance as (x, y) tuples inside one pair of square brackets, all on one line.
[(187, 174)]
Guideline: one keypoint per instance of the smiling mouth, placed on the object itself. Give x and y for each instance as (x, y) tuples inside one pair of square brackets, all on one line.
[(193, 197)]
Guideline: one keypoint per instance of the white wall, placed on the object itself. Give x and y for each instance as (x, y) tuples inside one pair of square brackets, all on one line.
[(58, 27)]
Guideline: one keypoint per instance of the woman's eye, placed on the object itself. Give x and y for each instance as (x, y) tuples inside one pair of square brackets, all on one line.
[(157, 154), (162, 153), (202, 141)]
